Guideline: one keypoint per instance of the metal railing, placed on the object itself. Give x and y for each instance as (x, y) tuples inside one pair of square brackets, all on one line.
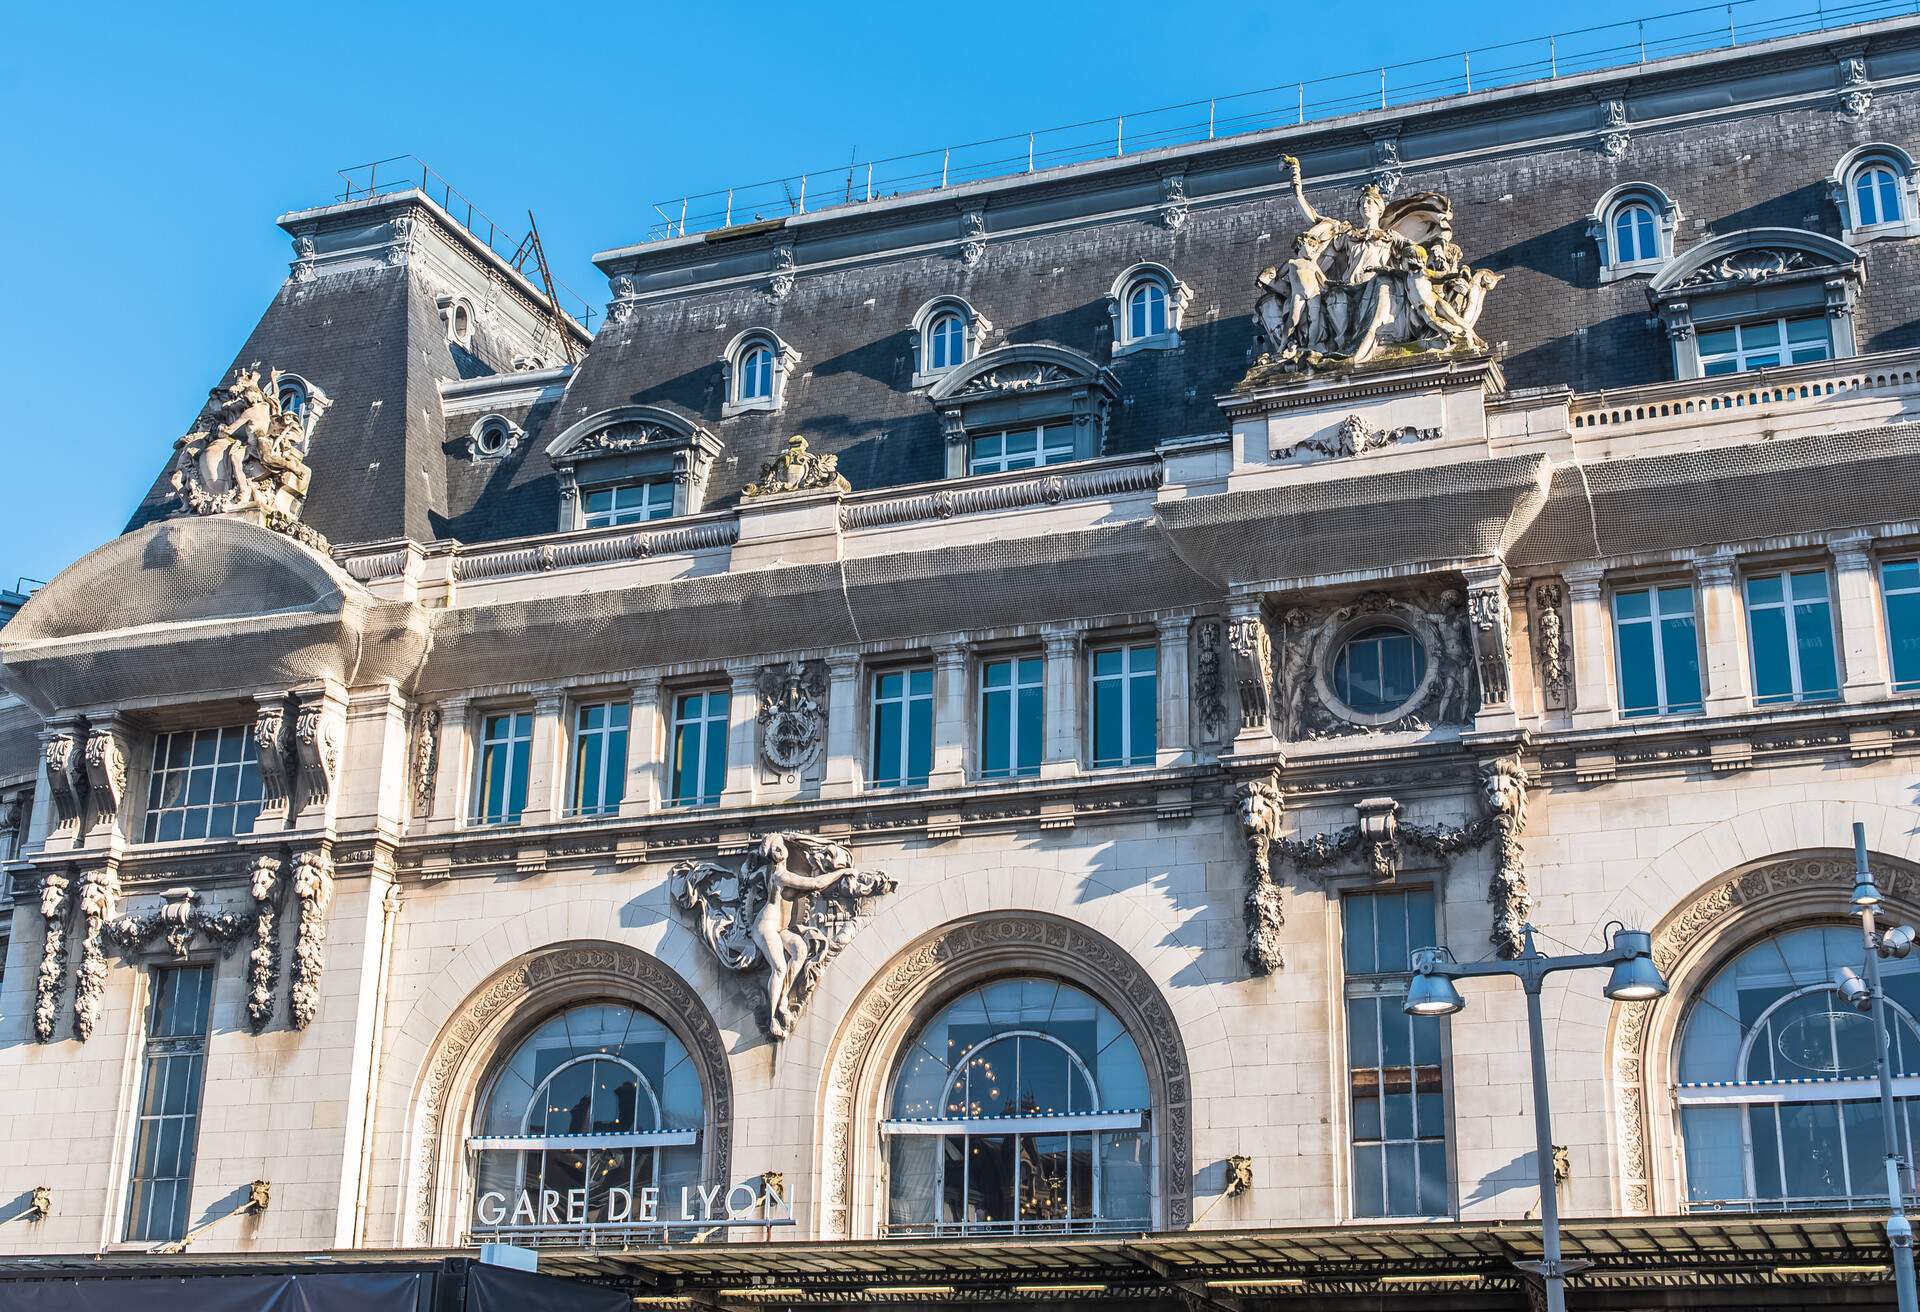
[(384, 177), (1612, 45)]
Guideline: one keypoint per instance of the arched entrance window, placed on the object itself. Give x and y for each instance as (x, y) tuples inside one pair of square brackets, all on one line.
[(596, 1105), (1775, 1082), (1021, 1108)]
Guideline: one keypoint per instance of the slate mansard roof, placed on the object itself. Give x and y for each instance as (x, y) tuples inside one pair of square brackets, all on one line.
[(1739, 139)]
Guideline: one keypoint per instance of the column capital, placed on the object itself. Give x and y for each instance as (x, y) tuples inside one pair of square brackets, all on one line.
[(843, 664), (1584, 582), (1853, 550), (1173, 627), (1482, 577), (1716, 567), (549, 702), (1062, 640)]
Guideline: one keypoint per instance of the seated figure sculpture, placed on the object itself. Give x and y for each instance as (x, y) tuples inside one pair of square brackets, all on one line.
[(1396, 278)]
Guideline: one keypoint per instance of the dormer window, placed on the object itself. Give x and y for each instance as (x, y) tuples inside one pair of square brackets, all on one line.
[(627, 503), (1873, 187), (299, 397), (494, 437), (630, 465), (1633, 225), (1764, 298), (947, 332), (1147, 303), (459, 321), (756, 366), (293, 397), (1020, 407)]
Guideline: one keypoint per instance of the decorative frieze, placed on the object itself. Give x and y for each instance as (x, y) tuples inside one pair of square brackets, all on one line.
[(313, 890), (98, 890), (782, 914), (1047, 490), (54, 889), (1259, 804)]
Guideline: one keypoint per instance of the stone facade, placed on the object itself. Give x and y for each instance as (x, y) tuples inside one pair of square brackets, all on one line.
[(390, 917)]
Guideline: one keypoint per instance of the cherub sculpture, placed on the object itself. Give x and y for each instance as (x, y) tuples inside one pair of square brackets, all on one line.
[(246, 452)]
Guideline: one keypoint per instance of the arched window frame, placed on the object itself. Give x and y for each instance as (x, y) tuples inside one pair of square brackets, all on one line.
[(628, 444), (1840, 190), (1600, 226), (1023, 386), (973, 324), (1757, 274), (316, 401), (1119, 305), (457, 316), (732, 366)]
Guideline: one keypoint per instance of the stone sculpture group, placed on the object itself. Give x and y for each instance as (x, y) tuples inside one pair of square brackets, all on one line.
[(1353, 291)]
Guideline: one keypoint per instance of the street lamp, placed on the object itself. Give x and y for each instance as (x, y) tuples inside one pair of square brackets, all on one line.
[(1868, 996), (1431, 992)]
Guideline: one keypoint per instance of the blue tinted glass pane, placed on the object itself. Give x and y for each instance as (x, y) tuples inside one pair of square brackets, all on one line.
[(1369, 1194), (614, 790), (686, 752), (517, 792), (995, 734), (1359, 934), (1813, 626), (886, 743), (1635, 605), (1106, 722), (204, 747), (1765, 333), (1143, 693), (1141, 658), (1433, 1179), (997, 674), (1903, 637), (1900, 574), (1809, 585), (889, 685), (1764, 588), (1106, 661), (1772, 673), (1363, 1033), (714, 780), (1807, 330), (920, 683), (1682, 654), (593, 716), (1401, 1194), (1718, 342), (920, 738), (1032, 723), (1638, 690), (1420, 928), (587, 774), (1711, 368), (1426, 1052), (1396, 670), (1391, 927), (230, 744)]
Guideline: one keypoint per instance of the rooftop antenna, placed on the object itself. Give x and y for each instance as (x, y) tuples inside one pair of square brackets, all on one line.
[(546, 281)]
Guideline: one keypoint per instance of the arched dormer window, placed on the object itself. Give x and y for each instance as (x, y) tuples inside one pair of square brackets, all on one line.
[(1020, 407), (756, 366), (947, 332), (1873, 187), (1633, 225), (1147, 304), (457, 315), (299, 397), (630, 464), (1764, 298)]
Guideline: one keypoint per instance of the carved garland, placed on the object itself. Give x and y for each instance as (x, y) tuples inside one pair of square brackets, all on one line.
[(1672, 943), (963, 954), (98, 889), (313, 887), (1260, 813), (53, 955), (631, 975), (263, 964)]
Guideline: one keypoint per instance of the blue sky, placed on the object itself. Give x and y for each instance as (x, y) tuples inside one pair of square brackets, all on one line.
[(147, 150)]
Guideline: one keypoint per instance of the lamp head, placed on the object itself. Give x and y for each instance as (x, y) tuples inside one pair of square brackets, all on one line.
[(1431, 992), (1853, 988), (1866, 893), (1635, 978), (1898, 941)]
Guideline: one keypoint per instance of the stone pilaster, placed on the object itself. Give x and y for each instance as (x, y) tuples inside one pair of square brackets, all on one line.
[(842, 778), (453, 781), (1717, 611), (1592, 648), (743, 727), (1860, 619), (949, 714), (1066, 681), (546, 761), (646, 750), (1251, 648), (1175, 683)]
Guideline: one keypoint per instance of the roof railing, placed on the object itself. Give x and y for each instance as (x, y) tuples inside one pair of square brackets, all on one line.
[(1611, 45), (384, 177)]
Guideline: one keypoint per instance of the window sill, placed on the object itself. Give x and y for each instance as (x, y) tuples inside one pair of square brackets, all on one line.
[(1636, 269), (1881, 232), (1167, 341), (758, 405)]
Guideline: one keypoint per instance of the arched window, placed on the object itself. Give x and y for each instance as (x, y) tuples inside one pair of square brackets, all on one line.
[(1775, 1082), (1379, 669), (293, 397), (1146, 309), (459, 321), (1022, 1107), (597, 1104), (1147, 303), (756, 365), (1876, 195), (1634, 235), (1633, 226), (946, 341)]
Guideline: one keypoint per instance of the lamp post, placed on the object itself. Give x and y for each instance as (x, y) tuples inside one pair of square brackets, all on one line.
[(1431, 992), (1895, 942)]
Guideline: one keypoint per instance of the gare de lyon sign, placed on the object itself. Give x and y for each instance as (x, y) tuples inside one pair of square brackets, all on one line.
[(699, 1205)]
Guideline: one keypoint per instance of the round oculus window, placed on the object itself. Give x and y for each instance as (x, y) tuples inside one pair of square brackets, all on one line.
[(1379, 669), (492, 439)]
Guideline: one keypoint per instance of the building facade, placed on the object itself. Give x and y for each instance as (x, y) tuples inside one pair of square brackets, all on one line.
[(944, 719)]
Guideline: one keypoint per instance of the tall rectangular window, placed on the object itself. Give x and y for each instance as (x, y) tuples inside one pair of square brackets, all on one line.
[(1658, 651), (1396, 1081), (700, 747), (1790, 629), (1900, 587), (902, 718), (1126, 705), (205, 783), (506, 749), (1012, 717), (628, 503), (168, 1130), (599, 758), (1764, 344), (1021, 448)]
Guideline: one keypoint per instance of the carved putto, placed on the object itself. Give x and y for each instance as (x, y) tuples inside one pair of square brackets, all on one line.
[(1259, 805), (1352, 291), (784, 913), (245, 453), (796, 469), (792, 713)]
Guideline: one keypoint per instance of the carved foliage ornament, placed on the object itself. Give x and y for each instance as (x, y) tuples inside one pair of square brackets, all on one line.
[(273, 746), (317, 735), (796, 469), (782, 915), (313, 888), (1754, 264), (177, 919), (1311, 642), (263, 963), (1253, 667), (1552, 654), (53, 955), (98, 889), (66, 777), (1209, 687), (106, 773), (793, 714)]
